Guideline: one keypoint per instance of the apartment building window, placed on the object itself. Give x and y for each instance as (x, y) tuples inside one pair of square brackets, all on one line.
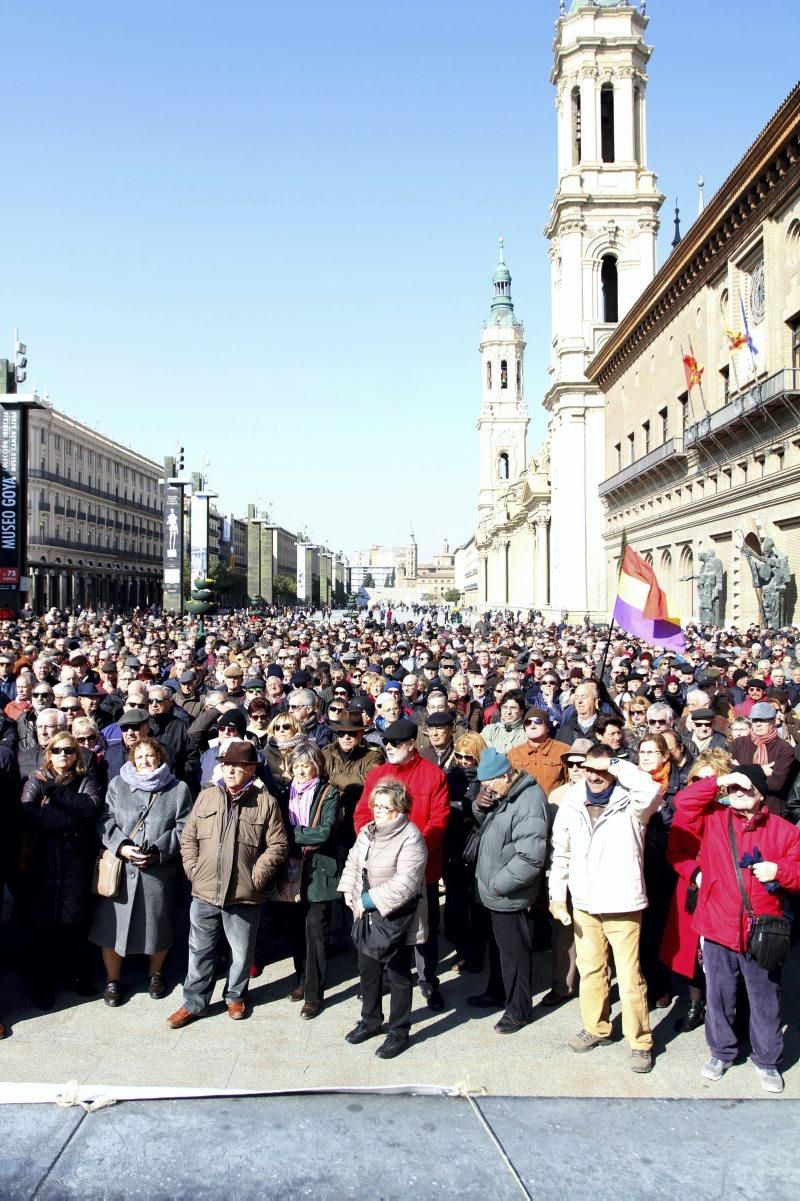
[(631, 448), (683, 410), (795, 332), (663, 416), (618, 455), (725, 375), (646, 437)]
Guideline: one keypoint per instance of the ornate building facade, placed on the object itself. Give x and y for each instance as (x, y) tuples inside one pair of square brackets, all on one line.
[(94, 517), (540, 521), (704, 481)]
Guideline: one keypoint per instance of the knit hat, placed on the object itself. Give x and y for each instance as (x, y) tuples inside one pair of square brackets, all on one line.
[(234, 718), (755, 775), (492, 765), (275, 671)]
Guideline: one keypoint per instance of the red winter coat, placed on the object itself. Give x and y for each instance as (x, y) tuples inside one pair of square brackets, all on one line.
[(720, 913), (430, 804), (680, 942)]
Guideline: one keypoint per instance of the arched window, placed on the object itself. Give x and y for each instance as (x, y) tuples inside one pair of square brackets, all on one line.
[(503, 373), (575, 108), (607, 123), (489, 375), (502, 466), (608, 281)]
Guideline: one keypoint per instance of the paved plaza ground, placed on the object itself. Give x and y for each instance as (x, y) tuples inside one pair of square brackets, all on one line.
[(274, 1049)]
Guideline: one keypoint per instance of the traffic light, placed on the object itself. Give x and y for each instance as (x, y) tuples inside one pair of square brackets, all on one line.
[(181, 460), (21, 361)]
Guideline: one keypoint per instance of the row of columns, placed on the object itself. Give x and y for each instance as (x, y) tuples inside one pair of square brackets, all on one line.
[(66, 588)]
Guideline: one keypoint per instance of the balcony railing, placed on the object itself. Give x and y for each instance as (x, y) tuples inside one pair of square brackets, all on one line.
[(39, 473), (99, 552), (782, 385), (672, 449)]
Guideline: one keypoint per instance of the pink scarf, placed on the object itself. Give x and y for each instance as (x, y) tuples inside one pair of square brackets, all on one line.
[(761, 757), (300, 798)]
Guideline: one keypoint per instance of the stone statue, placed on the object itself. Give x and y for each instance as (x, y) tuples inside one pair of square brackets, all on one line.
[(770, 573), (710, 579)]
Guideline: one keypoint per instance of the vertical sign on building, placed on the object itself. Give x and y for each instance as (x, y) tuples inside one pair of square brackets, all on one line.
[(12, 510), (199, 537), (301, 573), (173, 548)]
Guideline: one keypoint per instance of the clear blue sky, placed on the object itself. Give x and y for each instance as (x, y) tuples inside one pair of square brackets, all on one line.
[(267, 230)]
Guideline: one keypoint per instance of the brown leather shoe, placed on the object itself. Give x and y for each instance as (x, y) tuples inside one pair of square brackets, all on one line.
[(311, 1009), (182, 1017), (297, 994), (237, 1010)]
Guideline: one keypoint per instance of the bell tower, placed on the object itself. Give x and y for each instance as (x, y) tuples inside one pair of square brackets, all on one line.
[(602, 230), (503, 420)]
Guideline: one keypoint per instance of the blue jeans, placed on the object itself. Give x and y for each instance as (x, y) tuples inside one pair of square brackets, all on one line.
[(238, 924)]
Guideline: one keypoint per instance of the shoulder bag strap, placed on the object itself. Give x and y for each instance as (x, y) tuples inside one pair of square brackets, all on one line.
[(738, 870), (144, 816)]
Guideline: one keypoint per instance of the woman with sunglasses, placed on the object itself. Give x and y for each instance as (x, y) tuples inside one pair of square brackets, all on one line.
[(283, 735), (138, 921), (258, 723), (61, 803), (462, 909)]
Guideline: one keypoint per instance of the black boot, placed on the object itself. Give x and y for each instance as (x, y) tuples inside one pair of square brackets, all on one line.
[(695, 1016)]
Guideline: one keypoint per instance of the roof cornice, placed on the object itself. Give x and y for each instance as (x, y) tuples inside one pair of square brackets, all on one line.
[(755, 188)]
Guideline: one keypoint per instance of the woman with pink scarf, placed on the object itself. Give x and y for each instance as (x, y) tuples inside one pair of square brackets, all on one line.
[(311, 815)]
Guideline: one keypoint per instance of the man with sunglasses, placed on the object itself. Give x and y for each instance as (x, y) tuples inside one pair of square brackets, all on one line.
[(41, 698), (703, 736), (540, 754), (173, 734), (348, 760), (430, 813)]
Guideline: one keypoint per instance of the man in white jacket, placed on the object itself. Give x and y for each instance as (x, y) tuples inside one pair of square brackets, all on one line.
[(598, 848)]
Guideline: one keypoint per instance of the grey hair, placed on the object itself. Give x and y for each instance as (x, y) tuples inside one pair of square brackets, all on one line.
[(660, 709), (61, 691), (397, 794), (52, 715), (84, 725), (307, 752), (306, 696), (697, 694)]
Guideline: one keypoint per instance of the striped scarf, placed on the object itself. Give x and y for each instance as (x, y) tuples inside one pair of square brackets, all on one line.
[(761, 756)]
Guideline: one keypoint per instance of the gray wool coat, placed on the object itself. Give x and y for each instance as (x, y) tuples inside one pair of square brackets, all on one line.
[(138, 921)]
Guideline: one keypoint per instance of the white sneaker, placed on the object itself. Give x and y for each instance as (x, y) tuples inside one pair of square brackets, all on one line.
[(714, 1069), (771, 1079)]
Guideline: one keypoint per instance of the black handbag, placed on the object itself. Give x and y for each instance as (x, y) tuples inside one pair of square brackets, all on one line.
[(379, 935), (768, 936), (471, 847)]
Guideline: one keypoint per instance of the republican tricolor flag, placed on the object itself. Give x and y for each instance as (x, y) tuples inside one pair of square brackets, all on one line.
[(641, 607)]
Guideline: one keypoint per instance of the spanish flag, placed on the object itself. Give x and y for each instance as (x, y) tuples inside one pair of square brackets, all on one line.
[(641, 606)]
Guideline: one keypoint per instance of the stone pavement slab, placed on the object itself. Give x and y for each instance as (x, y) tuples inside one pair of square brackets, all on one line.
[(580, 1150)]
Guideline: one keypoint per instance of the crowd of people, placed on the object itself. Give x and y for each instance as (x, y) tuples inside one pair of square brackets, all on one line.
[(371, 780)]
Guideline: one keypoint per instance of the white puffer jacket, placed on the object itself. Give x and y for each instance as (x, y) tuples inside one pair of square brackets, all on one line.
[(602, 865)]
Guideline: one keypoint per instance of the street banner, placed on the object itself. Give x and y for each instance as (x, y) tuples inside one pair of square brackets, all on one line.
[(12, 521), (173, 547)]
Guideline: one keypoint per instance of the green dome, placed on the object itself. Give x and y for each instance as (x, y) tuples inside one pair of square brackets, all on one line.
[(502, 310)]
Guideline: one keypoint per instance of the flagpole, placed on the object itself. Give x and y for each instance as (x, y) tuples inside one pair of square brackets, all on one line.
[(700, 381), (608, 648)]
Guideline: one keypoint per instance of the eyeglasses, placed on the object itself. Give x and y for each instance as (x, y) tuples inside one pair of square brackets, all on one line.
[(703, 723), (398, 741), (282, 728), (657, 721), (465, 758), (575, 764), (70, 708), (63, 750), (87, 738), (41, 694), (534, 721), (382, 809), (553, 682)]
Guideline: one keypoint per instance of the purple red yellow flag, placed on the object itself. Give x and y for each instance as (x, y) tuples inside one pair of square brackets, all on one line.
[(736, 340), (641, 607)]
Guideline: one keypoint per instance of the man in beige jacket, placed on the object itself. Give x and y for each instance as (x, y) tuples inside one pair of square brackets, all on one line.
[(231, 846), (598, 850)]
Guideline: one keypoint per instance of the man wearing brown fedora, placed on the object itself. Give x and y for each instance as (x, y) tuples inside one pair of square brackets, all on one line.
[(232, 845), (347, 761)]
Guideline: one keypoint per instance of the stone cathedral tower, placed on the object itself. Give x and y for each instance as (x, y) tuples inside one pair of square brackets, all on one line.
[(602, 231)]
